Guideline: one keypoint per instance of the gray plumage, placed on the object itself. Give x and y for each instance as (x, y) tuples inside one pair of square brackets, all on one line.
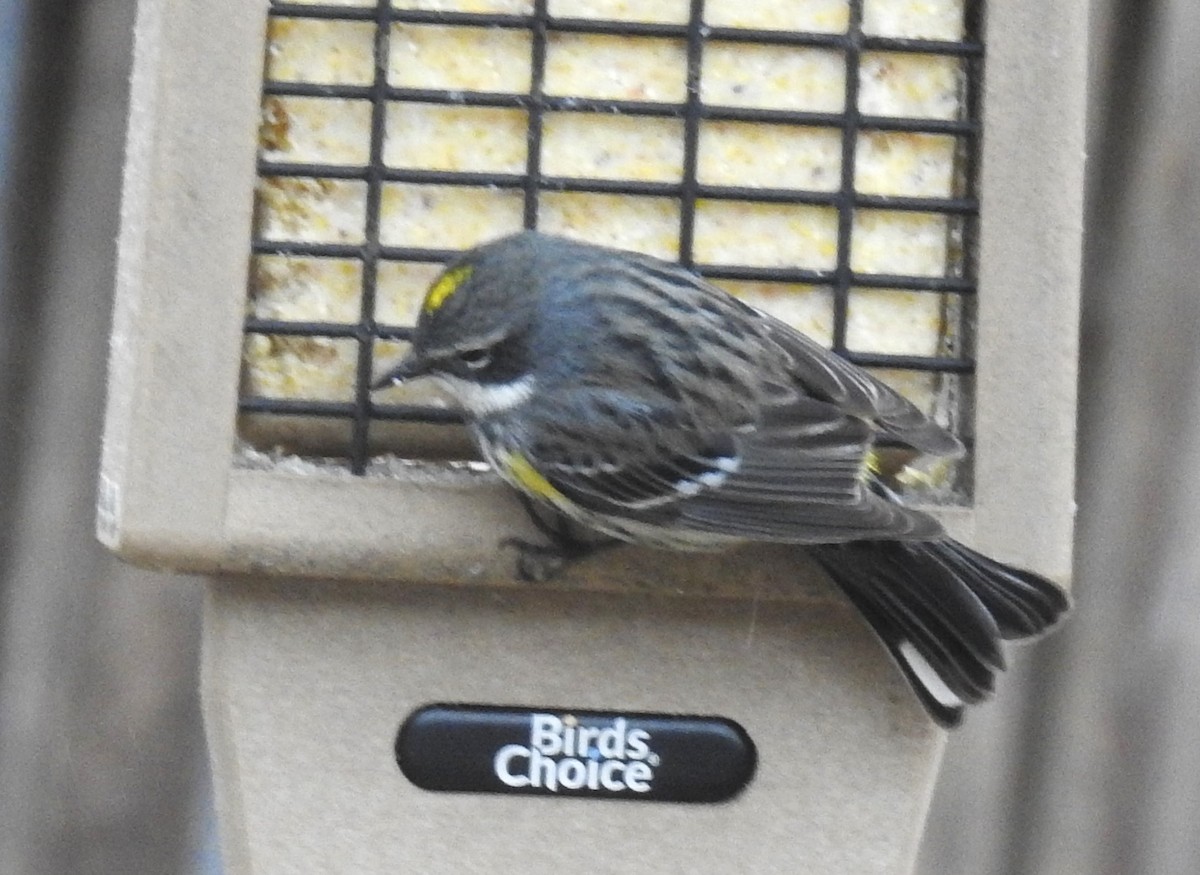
[(657, 409)]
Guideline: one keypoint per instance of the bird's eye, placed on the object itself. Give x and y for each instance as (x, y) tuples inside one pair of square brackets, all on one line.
[(475, 359)]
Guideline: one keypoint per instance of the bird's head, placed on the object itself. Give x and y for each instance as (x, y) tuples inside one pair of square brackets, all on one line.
[(475, 326)]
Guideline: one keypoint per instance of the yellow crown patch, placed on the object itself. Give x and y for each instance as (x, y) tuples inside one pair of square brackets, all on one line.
[(445, 286)]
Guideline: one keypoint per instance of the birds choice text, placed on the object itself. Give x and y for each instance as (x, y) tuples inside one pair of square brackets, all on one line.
[(562, 754)]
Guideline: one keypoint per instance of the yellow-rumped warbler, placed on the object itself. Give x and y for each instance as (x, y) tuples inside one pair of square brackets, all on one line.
[(634, 398)]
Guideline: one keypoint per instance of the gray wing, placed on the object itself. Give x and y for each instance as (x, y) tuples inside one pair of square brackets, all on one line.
[(856, 392), (795, 474), (819, 493)]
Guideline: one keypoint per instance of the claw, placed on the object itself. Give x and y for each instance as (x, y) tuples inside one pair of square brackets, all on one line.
[(538, 563)]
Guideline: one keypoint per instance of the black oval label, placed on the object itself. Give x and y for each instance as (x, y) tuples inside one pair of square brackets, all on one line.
[(565, 752)]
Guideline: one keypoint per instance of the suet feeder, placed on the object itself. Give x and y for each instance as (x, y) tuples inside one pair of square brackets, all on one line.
[(900, 180)]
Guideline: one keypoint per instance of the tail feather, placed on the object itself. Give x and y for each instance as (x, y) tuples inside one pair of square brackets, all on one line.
[(942, 610), (1023, 604)]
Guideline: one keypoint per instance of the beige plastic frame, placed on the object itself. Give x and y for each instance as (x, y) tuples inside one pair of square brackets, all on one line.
[(172, 496)]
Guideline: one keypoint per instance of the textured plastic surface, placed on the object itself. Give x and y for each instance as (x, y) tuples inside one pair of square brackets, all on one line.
[(306, 685)]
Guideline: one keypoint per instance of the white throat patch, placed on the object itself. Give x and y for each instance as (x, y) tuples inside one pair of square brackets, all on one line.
[(488, 399)]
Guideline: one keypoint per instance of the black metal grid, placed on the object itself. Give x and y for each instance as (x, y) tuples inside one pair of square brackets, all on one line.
[(361, 411)]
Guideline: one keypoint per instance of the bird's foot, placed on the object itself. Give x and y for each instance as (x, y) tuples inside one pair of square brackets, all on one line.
[(538, 563)]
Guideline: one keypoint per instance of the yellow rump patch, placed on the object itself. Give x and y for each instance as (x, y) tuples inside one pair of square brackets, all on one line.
[(531, 481), (445, 286), (872, 465)]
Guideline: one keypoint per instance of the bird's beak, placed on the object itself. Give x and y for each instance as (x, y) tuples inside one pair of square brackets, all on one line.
[(406, 369)]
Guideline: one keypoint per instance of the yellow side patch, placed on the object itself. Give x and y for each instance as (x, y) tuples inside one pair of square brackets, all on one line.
[(445, 286), (531, 481)]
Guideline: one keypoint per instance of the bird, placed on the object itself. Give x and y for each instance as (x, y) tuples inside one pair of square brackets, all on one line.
[(630, 399)]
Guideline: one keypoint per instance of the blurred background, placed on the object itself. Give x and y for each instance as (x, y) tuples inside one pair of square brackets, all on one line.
[(1089, 760)]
